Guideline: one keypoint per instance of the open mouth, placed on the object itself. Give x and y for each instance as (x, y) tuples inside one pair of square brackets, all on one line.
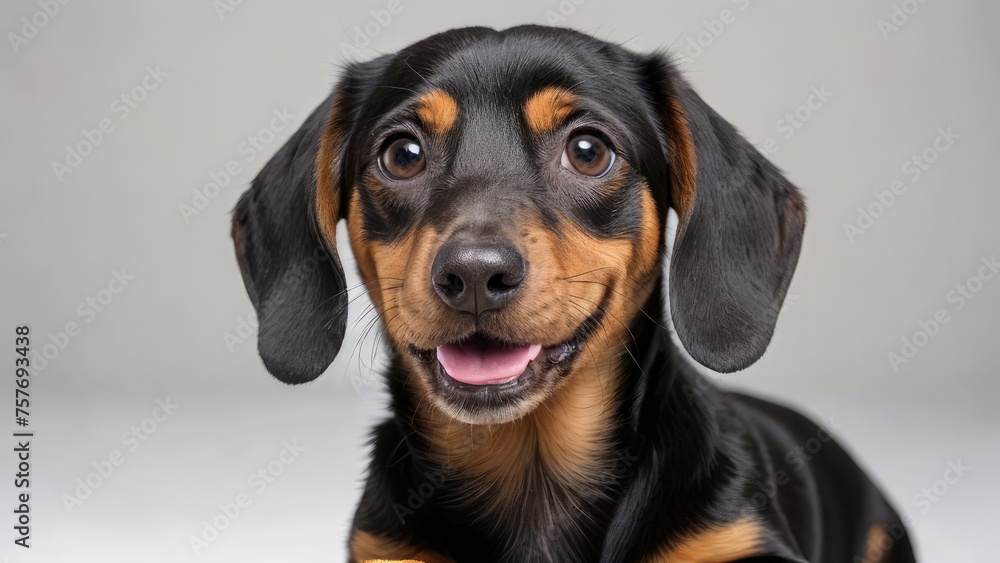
[(481, 362)]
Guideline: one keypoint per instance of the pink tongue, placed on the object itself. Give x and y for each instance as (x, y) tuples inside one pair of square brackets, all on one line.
[(481, 365)]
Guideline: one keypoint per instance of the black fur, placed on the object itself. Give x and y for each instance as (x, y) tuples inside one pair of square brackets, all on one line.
[(296, 284), (691, 456)]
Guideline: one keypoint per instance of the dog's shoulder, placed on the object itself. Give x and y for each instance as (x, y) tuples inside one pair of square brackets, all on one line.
[(810, 478)]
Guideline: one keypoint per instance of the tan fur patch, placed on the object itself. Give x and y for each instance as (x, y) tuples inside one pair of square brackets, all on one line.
[(685, 165), (438, 111), (362, 251), (397, 278), (720, 545), (569, 435), (570, 422), (795, 221), (879, 545), (566, 431), (547, 108), (327, 200), (365, 547), (646, 252)]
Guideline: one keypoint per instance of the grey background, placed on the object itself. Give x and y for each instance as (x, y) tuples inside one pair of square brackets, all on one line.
[(164, 335)]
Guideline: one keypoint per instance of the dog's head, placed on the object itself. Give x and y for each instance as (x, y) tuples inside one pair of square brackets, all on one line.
[(506, 195)]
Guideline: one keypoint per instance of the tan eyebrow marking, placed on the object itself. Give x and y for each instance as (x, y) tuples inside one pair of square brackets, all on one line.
[(547, 108), (438, 111)]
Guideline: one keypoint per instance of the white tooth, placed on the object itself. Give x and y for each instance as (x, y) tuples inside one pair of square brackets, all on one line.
[(561, 353)]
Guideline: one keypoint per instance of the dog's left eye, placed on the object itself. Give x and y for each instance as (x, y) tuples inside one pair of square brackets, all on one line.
[(403, 158), (588, 155)]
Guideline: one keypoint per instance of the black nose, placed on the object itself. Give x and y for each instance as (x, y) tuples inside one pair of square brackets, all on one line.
[(477, 275)]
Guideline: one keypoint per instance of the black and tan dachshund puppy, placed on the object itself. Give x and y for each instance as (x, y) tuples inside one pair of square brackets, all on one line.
[(506, 195)]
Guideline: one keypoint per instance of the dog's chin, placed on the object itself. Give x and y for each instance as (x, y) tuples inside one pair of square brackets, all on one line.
[(480, 379)]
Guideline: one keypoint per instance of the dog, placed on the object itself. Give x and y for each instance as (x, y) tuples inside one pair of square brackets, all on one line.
[(507, 194)]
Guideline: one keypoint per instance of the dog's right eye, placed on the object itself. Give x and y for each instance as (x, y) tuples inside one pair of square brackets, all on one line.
[(402, 159), (588, 155)]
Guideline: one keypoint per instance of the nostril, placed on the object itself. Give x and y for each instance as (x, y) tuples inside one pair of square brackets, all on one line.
[(478, 274), (502, 282), (495, 283), (453, 286)]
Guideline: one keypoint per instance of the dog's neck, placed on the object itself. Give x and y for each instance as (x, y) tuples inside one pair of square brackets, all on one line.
[(575, 455)]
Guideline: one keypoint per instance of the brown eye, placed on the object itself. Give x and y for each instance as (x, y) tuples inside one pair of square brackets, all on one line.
[(588, 155), (403, 159)]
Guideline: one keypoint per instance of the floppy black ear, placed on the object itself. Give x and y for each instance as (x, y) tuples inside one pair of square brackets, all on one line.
[(739, 231), (293, 276), (284, 229)]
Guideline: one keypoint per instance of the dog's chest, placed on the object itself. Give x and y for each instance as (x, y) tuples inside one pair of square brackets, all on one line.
[(531, 500), (536, 515)]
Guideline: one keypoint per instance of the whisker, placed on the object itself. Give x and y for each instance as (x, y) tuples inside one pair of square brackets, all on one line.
[(624, 273), (640, 308), (359, 346), (624, 345), (597, 367), (615, 317), (358, 296), (356, 286), (368, 310)]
